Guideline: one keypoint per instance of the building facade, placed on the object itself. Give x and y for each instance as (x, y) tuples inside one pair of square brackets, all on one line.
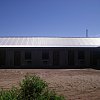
[(33, 52)]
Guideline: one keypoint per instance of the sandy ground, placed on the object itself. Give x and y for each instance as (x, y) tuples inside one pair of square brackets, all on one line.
[(83, 84)]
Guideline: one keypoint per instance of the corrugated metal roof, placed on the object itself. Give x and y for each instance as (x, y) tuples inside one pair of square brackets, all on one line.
[(48, 42)]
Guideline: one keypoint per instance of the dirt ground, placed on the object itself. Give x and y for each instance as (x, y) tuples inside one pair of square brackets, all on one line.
[(80, 84)]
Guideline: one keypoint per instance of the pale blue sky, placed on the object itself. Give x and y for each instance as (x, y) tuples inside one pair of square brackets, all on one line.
[(62, 18)]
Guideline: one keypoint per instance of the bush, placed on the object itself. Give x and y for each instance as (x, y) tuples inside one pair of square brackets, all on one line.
[(9, 94), (31, 88)]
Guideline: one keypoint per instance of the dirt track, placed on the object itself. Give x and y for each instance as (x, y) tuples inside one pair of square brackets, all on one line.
[(81, 84)]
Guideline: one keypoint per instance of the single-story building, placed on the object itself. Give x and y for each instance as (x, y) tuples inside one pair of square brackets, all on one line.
[(49, 52)]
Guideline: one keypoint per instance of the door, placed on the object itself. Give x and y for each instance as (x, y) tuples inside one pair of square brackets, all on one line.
[(17, 58), (56, 58)]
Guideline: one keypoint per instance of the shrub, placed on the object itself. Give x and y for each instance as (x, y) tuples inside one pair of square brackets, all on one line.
[(31, 88), (9, 94)]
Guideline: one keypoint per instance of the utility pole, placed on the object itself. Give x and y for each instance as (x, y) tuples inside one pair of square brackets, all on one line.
[(87, 33)]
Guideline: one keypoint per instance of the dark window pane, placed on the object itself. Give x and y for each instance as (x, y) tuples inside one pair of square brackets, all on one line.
[(70, 57), (28, 56), (45, 62), (81, 54), (56, 58), (45, 55), (17, 58), (94, 56), (2, 57)]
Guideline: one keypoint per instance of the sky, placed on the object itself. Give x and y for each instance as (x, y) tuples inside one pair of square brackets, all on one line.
[(51, 18)]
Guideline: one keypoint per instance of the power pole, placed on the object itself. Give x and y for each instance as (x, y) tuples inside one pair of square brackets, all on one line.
[(87, 33)]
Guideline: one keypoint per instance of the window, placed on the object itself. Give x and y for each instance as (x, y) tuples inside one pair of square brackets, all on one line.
[(28, 56), (71, 57), (45, 55), (81, 54), (2, 57), (56, 58), (81, 57), (17, 58)]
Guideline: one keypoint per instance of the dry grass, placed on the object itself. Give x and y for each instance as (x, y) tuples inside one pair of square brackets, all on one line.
[(83, 84)]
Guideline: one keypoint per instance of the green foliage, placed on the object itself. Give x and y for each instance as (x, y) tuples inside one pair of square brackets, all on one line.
[(31, 88), (9, 94)]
